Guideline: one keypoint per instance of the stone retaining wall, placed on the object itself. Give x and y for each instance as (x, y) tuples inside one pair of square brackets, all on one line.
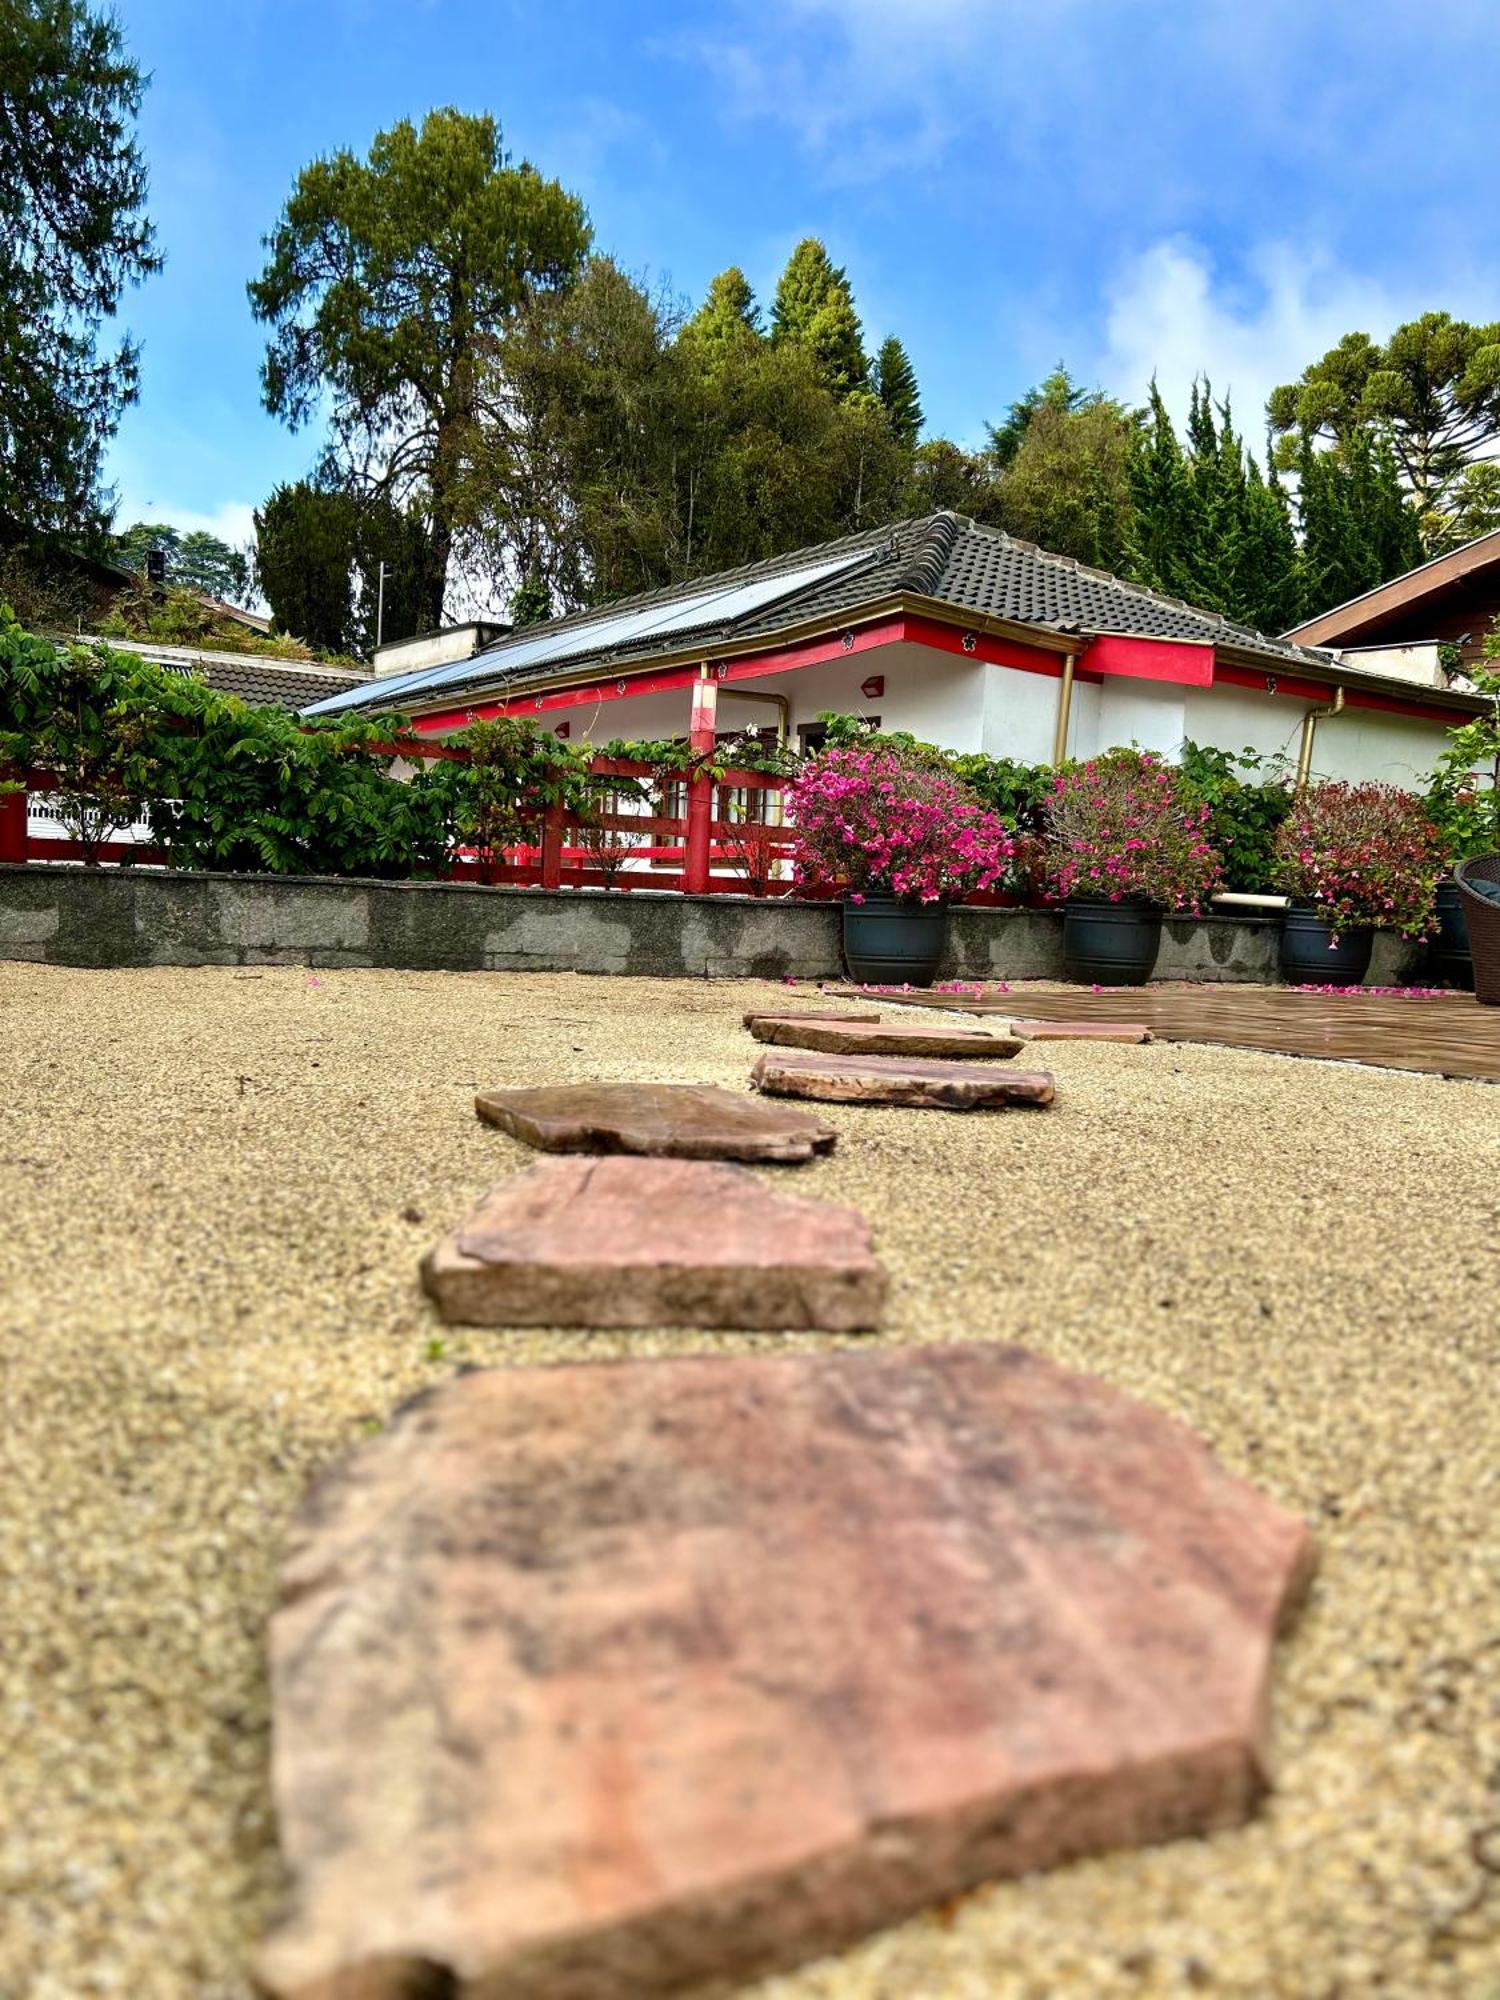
[(67, 914)]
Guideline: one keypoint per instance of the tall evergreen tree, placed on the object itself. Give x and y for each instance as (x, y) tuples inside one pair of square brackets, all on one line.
[(815, 306), (727, 324), (1064, 477), (318, 553), (72, 237), (1431, 394), (1163, 530), (896, 386), (1208, 527), (389, 282), (1358, 527)]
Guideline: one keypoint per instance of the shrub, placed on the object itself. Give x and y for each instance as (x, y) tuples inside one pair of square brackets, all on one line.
[(885, 821), (1125, 825), (1362, 855), (1244, 813), (1463, 800)]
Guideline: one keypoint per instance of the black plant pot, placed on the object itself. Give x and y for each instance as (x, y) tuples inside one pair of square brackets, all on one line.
[(1309, 956), (1448, 954), (891, 941), (1110, 944)]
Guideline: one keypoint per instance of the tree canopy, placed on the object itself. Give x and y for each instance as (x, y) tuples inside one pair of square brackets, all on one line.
[(895, 383), (389, 280), (73, 236), (318, 552), (1430, 394), (814, 305), (199, 560)]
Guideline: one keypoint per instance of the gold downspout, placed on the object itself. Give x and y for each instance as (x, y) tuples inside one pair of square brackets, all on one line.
[(779, 702), (1064, 709), (783, 709), (1309, 730)]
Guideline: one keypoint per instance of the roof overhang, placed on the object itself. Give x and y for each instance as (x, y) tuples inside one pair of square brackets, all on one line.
[(1402, 594), (910, 617)]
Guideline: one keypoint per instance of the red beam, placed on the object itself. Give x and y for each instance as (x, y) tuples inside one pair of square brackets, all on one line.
[(1113, 654)]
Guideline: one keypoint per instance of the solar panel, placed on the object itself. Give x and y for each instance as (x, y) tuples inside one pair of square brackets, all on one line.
[(601, 635)]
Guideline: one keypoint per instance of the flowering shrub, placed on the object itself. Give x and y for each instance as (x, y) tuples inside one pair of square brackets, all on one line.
[(882, 820), (1362, 855), (1125, 825)]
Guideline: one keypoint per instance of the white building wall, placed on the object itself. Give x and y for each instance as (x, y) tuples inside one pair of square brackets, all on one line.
[(933, 695), (1019, 714), (965, 704)]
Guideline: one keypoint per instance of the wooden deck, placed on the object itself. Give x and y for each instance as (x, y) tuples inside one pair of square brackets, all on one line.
[(1447, 1036)]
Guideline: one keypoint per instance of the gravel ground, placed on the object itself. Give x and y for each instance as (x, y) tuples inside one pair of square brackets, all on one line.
[(215, 1188)]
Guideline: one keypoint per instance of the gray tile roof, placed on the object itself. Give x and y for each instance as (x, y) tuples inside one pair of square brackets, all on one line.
[(955, 561), (944, 557), (254, 677)]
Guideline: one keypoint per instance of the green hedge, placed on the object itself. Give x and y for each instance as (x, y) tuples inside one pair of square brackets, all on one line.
[(230, 786)]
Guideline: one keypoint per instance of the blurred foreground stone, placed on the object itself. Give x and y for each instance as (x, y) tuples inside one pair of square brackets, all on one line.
[(605, 1680)]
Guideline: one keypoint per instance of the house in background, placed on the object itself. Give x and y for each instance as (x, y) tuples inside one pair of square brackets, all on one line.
[(1423, 627), (953, 631)]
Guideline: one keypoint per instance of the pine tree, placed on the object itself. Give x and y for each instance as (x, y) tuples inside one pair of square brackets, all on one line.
[(726, 324), (73, 236), (1164, 509), (1208, 527), (1358, 527), (896, 386), (1270, 578), (814, 305)]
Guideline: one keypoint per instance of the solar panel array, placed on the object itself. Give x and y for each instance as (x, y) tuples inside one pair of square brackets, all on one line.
[(547, 647)]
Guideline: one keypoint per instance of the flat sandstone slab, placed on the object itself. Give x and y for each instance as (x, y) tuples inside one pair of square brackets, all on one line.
[(942, 1086), (596, 1682), (635, 1242), (755, 1014), (686, 1121), (1081, 1031), (887, 1038)]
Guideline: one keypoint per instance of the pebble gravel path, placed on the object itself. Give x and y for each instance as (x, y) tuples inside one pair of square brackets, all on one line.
[(215, 1186)]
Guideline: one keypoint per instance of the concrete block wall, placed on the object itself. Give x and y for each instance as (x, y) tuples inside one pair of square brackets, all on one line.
[(71, 915)]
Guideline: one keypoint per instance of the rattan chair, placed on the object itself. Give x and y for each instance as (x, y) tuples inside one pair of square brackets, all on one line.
[(1483, 920)]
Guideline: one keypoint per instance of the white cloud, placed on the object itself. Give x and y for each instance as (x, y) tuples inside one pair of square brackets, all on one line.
[(233, 522), (1170, 313)]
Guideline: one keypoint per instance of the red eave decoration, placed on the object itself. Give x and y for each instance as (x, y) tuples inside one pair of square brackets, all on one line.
[(1182, 664)]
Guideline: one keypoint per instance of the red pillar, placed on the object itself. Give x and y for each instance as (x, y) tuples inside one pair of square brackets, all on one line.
[(700, 789), (552, 847), (13, 818)]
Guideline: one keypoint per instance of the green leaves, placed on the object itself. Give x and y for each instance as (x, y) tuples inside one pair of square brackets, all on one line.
[(72, 238), (1431, 395), (388, 281)]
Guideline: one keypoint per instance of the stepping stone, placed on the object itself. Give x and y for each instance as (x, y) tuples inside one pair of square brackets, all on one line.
[(1081, 1031), (618, 1680), (943, 1086), (888, 1038), (806, 1014), (631, 1242), (686, 1121)]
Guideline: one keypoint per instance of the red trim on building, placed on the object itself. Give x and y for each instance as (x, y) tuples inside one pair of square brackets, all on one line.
[(1274, 683), (1113, 655), (1109, 656), (985, 646), (1418, 711)]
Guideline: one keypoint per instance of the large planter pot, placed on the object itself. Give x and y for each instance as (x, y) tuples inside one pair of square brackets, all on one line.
[(892, 941), (1110, 944), (1448, 954), (1309, 956)]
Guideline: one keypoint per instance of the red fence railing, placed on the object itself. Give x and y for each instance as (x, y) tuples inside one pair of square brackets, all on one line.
[(685, 830)]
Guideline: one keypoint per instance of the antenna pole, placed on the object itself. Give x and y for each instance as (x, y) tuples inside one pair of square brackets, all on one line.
[(380, 606)]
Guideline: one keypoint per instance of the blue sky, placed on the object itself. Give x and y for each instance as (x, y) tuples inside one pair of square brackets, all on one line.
[(1128, 184)]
